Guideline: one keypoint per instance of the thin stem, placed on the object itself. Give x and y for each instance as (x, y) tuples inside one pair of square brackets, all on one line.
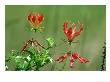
[(64, 64), (35, 41), (30, 42), (53, 66), (26, 45), (69, 52)]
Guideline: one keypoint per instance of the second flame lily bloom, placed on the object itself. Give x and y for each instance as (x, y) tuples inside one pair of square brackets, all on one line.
[(72, 33), (72, 58)]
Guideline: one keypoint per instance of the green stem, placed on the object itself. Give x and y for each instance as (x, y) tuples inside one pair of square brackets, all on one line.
[(53, 66), (64, 65), (69, 51)]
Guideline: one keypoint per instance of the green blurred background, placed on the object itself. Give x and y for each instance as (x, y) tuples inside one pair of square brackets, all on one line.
[(91, 39)]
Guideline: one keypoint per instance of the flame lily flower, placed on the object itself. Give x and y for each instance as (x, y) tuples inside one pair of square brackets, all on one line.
[(35, 19), (72, 33), (72, 57)]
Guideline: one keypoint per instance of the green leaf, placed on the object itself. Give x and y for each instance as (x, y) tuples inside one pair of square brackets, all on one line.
[(50, 41), (31, 59), (39, 29), (45, 51)]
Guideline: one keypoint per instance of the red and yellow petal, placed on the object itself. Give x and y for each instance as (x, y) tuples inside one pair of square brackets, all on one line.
[(71, 63), (83, 60)]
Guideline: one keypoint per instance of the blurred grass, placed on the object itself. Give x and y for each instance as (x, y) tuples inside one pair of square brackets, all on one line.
[(91, 40)]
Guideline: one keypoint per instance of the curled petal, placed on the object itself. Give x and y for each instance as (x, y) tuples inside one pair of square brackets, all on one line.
[(66, 55), (69, 32), (74, 30), (83, 60), (71, 62), (81, 29), (65, 26), (80, 24), (40, 19), (78, 33), (29, 17), (33, 18), (60, 59)]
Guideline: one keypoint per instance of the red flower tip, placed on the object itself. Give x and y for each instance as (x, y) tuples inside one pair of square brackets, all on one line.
[(71, 34), (35, 19)]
